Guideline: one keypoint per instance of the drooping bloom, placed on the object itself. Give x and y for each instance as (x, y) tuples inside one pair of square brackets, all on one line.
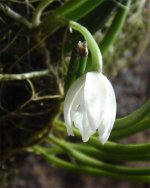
[(90, 105)]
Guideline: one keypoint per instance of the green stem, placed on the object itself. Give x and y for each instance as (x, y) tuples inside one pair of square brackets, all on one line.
[(50, 151), (115, 27), (14, 15), (141, 126), (86, 169), (36, 19), (23, 76), (132, 149), (87, 160), (103, 155), (93, 47), (113, 156), (132, 118)]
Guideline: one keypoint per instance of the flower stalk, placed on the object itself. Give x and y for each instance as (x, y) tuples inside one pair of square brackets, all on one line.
[(96, 64), (77, 64)]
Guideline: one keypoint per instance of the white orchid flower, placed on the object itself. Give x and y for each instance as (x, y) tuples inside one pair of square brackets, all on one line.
[(90, 105)]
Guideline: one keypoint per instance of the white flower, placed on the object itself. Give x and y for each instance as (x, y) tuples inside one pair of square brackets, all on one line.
[(90, 104)]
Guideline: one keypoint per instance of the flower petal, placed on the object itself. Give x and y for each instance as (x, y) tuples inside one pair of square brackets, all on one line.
[(90, 104), (100, 104), (79, 115), (94, 96), (71, 96), (87, 131), (77, 110), (109, 112)]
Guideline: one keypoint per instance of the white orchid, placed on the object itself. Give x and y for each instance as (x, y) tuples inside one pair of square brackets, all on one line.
[(90, 102), (90, 105)]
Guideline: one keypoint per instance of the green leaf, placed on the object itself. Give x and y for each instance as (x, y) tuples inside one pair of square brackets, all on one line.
[(115, 27), (77, 9), (133, 118)]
